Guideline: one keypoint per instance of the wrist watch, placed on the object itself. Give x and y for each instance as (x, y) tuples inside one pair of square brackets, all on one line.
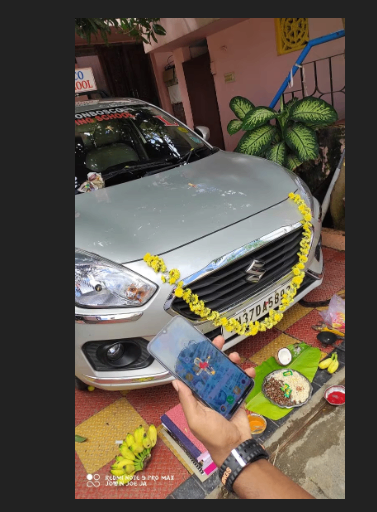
[(246, 453)]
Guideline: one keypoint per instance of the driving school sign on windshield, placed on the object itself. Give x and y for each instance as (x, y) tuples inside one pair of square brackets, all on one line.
[(84, 80)]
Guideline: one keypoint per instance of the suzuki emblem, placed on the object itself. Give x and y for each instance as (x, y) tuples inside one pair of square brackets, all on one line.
[(256, 271)]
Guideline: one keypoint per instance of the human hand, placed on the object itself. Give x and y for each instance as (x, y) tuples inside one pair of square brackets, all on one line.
[(219, 435)]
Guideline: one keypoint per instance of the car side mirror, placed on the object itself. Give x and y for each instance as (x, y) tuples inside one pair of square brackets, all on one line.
[(203, 131)]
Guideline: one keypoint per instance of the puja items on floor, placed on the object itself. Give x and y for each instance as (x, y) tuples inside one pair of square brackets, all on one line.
[(287, 388), (335, 315), (336, 395)]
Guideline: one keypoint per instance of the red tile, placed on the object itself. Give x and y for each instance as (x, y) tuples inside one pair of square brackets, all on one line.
[(152, 403), (88, 403), (253, 344), (302, 330), (333, 282), (328, 253), (340, 257), (163, 463)]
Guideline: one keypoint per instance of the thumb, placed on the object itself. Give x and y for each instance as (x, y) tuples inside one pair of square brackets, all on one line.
[(187, 399)]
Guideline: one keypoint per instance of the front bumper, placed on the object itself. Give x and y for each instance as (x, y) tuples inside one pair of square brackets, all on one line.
[(147, 321)]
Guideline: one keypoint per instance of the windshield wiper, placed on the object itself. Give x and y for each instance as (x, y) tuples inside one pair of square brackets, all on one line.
[(135, 168), (167, 164), (186, 158), (182, 160)]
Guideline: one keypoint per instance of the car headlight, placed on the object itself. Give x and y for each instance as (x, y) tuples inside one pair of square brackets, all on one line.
[(100, 283), (303, 190)]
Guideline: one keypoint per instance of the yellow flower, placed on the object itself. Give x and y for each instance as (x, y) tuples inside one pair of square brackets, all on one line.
[(147, 257), (296, 271), (194, 298), (297, 280), (291, 195), (214, 315), (262, 327), (308, 217), (303, 259), (186, 294), (163, 279), (179, 292), (224, 322), (174, 275)]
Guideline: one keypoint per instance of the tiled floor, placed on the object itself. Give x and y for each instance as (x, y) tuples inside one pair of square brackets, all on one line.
[(103, 417)]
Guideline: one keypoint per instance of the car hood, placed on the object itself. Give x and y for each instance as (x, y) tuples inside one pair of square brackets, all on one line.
[(173, 208)]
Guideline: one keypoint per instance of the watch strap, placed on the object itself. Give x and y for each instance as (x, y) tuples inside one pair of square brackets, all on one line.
[(246, 453)]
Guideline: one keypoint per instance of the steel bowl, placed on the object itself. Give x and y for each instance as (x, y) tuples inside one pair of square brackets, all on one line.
[(267, 377), (340, 389)]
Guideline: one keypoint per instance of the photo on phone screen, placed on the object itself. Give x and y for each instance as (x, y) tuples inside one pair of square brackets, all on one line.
[(191, 357)]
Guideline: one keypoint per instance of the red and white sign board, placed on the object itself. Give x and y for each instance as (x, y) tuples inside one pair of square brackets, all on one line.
[(84, 80)]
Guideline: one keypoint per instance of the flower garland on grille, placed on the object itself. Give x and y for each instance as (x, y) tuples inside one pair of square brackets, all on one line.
[(199, 307)]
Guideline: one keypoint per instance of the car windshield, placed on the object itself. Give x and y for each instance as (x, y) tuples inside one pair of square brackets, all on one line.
[(124, 143)]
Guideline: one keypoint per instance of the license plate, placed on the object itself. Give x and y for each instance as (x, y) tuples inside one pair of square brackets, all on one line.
[(260, 308)]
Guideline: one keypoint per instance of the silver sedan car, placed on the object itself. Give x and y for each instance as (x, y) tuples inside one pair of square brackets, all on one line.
[(146, 183)]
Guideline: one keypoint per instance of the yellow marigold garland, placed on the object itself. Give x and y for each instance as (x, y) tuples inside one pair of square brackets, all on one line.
[(198, 306)]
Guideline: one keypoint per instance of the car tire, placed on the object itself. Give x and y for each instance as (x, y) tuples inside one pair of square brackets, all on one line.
[(80, 385)]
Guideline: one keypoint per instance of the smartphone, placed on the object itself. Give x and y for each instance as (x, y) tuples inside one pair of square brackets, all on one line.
[(192, 358)]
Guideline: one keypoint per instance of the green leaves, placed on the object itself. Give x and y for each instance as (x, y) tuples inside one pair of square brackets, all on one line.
[(314, 111), (142, 29), (160, 31), (255, 142), (277, 153), (240, 106), (258, 116), (302, 140), (79, 439), (234, 126), (292, 162), (292, 140)]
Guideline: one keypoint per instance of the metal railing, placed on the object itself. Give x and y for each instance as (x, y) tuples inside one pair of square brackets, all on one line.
[(300, 60), (316, 90)]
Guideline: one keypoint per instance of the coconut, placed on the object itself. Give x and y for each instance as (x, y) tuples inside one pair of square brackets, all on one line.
[(283, 356)]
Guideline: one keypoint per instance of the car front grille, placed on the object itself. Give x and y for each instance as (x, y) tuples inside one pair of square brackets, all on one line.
[(228, 285)]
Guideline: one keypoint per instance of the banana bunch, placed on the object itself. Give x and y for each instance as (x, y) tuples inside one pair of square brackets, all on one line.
[(135, 453), (331, 363)]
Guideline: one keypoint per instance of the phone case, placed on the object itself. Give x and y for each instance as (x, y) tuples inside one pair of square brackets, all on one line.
[(201, 400)]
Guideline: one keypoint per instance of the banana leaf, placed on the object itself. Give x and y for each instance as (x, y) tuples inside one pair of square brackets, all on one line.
[(306, 363), (79, 439)]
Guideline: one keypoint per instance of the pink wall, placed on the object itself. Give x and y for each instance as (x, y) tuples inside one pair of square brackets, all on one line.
[(159, 61), (249, 50), (180, 56), (177, 28)]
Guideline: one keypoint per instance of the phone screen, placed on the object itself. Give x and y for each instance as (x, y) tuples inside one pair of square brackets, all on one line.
[(189, 355)]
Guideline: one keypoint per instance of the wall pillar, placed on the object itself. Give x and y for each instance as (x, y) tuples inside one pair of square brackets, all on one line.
[(181, 55), (158, 62)]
